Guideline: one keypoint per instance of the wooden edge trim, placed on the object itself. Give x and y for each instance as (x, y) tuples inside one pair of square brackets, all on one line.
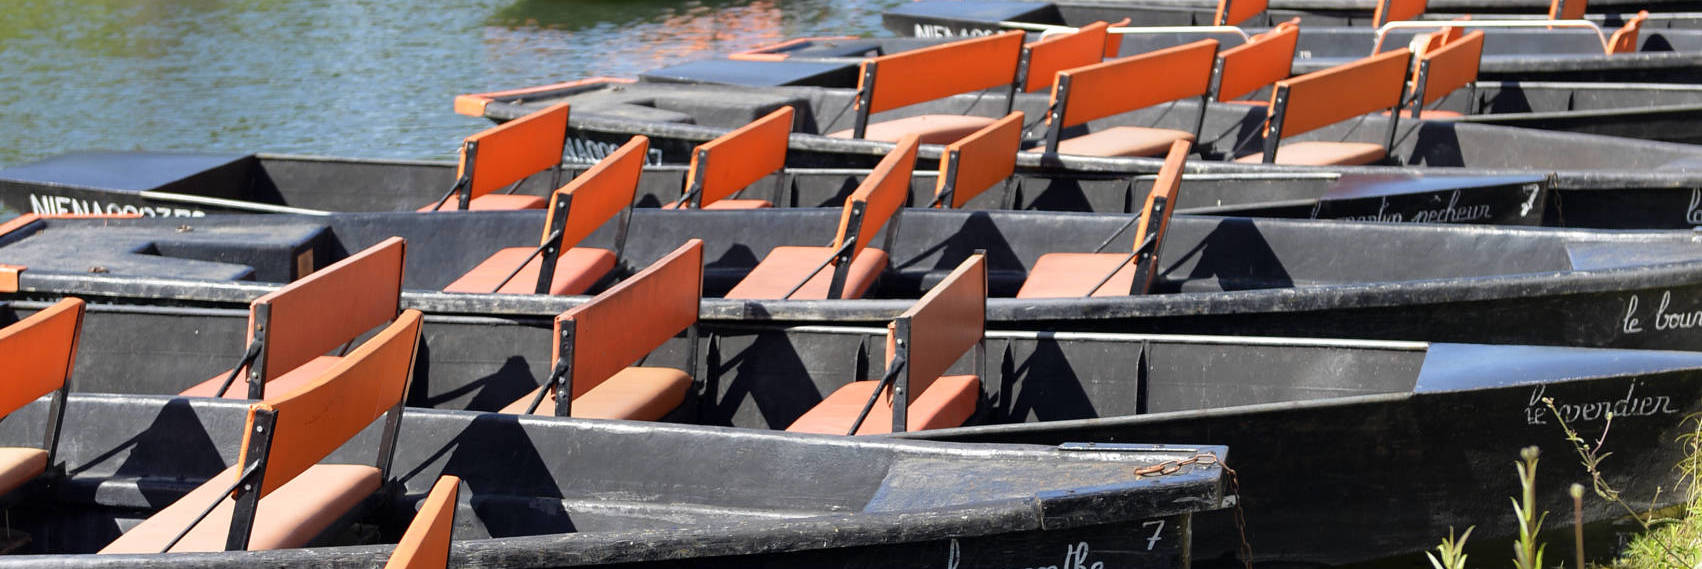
[(473, 104)]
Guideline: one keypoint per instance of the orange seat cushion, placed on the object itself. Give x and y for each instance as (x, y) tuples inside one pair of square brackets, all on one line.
[(947, 403), (785, 266), (19, 465), (282, 384), (932, 129), (576, 271), (1323, 154), (730, 204), (1073, 275), (1121, 141), (494, 202), (1249, 102), (634, 393), (289, 517)]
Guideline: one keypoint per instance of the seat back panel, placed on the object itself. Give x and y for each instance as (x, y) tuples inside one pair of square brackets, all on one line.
[(1251, 66), (509, 152), (1397, 10), (1085, 46), (39, 352), (425, 544), (739, 158), (882, 193), (598, 193), (1234, 12), (1567, 9), (319, 417), (945, 323), (632, 318), (1452, 66), (983, 159), (1326, 97), (1624, 39), (330, 307), (1136, 82), (926, 74)]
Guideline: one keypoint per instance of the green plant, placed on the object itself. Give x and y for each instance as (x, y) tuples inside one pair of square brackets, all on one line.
[(1652, 543), (1451, 554), (1527, 553)]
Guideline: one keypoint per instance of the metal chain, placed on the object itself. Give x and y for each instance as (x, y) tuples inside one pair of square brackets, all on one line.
[(1175, 465)]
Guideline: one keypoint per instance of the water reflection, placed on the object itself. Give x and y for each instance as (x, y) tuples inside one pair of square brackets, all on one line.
[(366, 78)]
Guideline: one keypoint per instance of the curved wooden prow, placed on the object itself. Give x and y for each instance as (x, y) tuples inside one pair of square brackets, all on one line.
[(910, 77), (290, 330), (1265, 59), (1333, 95), (597, 341), (39, 353), (425, 545), (1444, 69), (1397, 10), (1236, 12), (1073, 275), (505, 155), (801, 272), (733, 161), (976, 162), (576, 210), (922, 345), (1048, 56), (277, 495), (1121, 85), (1624, 39)]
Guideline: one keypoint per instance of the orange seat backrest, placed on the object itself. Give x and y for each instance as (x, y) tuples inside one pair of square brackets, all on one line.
[(944, 324), (1165, 187), (511, 151), (632, 318), (318, 417), (1113, 41), (425, 545), (1135, 82), (1624, 39), (598, 193), (1452, 66), (984, 158), (916, 76), (330, 307), (1234, 12), (1397, 10), (1085, 46), (1567, 9), (1263, 60), (39, 352), (1345, 91), (739, 158), (881, 194)]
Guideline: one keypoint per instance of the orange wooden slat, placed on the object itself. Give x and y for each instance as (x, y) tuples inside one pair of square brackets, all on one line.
[(599, 193), (741, 157), (1567, 9), (509, 152), (1624, 40), (984, 158), (425, 545), (1452, 66), (1397, 10), (331, 307), (882, 193), (319, 417), (915, 76), (633, 318), (1238, 11), (1345, 91), (1135, 82), (1266, 59), (945, 323), (1085, 46), (38, 353)]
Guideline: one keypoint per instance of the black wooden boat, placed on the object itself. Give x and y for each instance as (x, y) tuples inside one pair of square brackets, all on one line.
[(962, 18), (1422, 431), (548, 492), (1218, 275), (159, 184)]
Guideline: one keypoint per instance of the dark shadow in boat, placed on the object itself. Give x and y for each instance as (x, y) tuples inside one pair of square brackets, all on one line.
[(512, 490), (722, 273), (1246, 136), (1509, 98), (836, 199), (489, 393), (1043, 387), (1235, 255), (1437, 145), (769, 388), (8, 314), (1655, 42), (174, 446), (908, 278), (1059, 194)]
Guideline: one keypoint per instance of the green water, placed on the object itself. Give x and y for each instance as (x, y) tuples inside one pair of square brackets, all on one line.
[(360, 78)]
